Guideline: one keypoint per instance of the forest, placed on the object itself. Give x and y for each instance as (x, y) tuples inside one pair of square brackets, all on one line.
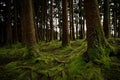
[(59, 39)]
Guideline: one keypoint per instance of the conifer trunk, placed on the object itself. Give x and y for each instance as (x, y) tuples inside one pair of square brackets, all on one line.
[(8, 28), (95, 36), (15, 23), (65, 35), (51, 21), (72, 20), (106, 22), (28, 22)]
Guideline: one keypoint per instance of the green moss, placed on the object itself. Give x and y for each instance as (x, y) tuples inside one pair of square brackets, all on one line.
[(80, 70), (57, 62)]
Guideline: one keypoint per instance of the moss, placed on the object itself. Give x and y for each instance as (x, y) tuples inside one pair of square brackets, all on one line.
[(57, 63), (80, 70)]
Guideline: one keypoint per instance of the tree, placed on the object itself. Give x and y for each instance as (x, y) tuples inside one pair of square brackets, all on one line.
[(8, 28), (72, 33), (106, 22), (59, 19), (43, 19), (51, 21), (95, 36), (115, 19), (81, 20), (28, 24), (65, 34), (15, 22)]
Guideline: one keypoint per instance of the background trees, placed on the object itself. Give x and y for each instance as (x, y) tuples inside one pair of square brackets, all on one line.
[(106, 19), (47, 19), (65, 35)]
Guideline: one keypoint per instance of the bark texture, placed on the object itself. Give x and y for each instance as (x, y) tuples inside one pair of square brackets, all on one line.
[(95, 36), (106, 22), (28, 24), (8, 27), (65, 35)]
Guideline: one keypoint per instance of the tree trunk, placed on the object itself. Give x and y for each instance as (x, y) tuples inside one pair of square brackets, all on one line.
[(46, 21), (115, 23), (81, 21), (106, 22), (119, 28), (51, 21), (43, 20), (95, 36), (72, 20), (65, 35), (8, 28), (15, 23), (76, 22), (29, 25)]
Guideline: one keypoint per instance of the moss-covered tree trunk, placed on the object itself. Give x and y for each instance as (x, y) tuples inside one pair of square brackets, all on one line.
[(29, 24), (95, 37), (106, 20), (65, 34)]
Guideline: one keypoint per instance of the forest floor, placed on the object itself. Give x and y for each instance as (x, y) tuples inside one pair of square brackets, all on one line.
[(57, 63)]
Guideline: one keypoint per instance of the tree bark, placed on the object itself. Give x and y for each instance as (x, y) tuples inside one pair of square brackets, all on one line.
[(8, 28), (28, 22), (72, 20), (95, 36), (15, 22), (106, 20), (65, 35), (51, 21)]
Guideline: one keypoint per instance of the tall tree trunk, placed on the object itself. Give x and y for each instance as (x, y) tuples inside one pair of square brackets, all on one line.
[(115, 23), (106, 20), (23, 22), (15, 22), (65, 34), (119, 28), (82, 31), (72, 20), (76, 22), (51, 21), (95, 36), (29, 25), (8, 28), (81, 21), (43, 20), (59, 21), (46, 21)]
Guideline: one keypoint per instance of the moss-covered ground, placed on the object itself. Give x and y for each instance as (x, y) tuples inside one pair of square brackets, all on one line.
[(57, 63)]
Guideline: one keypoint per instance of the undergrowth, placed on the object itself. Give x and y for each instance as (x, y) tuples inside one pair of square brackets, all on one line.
[(55, 63)]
